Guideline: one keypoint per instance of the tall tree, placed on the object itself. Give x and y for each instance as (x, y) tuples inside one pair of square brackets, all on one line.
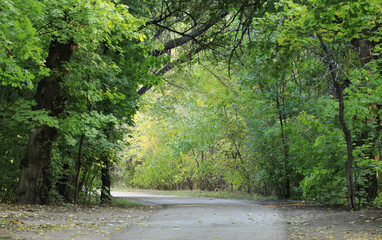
[(34, 185), (66, 25)]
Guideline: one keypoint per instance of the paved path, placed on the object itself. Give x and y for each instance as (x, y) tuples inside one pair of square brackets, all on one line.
[(193, 218)]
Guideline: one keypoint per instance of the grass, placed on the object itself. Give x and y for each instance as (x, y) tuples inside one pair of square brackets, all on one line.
[(5, 237), (121, 202)]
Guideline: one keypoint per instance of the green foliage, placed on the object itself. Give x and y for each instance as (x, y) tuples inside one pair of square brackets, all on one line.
[(187, 139), (99, 84), (269, 126), (18, 43), (276, 121)]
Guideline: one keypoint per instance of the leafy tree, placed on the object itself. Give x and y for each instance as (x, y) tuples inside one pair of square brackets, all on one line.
[(301, 82), (67, 26), (342, 26), (277, 97), (305, 35)]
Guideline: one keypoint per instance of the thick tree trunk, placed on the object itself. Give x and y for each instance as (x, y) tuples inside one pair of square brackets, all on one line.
[(35, 177), (106, 180), (35, 180)]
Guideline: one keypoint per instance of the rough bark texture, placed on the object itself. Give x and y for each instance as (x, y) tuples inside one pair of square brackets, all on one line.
[(35, 180)]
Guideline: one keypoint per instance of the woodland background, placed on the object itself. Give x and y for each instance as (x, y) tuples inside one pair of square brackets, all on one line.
[(265, 97)]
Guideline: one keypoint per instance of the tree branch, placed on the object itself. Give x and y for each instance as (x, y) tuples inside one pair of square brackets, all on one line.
[(174, 43), (168, 67)]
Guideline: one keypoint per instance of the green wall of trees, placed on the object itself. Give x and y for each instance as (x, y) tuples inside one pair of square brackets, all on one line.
[(268, 97)]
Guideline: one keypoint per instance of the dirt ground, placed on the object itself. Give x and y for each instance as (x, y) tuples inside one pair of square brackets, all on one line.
[(67, 222), (318, 222), (101, 222)]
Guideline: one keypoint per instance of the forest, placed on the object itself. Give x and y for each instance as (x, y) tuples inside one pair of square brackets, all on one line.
[(268, 97)]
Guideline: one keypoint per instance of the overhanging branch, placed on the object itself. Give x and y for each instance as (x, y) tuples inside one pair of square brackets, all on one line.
[(168, 67), (185, 37)]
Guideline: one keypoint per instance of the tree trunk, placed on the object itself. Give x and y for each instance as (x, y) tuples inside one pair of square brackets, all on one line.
[(246, 173), (286, 188), (349, 148), (341, 112), (106, 180), (78, 168), (35, 180), (78, 165)]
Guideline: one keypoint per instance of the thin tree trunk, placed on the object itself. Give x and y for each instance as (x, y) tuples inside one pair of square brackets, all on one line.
[(286, 182), (377, 159), (349, 147), (79, 159), (247, 175), (35, 179), (78, 168), (1, 95), (345, 129), (106, 180), (202, 183)]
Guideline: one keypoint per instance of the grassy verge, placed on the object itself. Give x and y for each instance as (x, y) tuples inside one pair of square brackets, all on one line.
[(6, 237), (121, 202)]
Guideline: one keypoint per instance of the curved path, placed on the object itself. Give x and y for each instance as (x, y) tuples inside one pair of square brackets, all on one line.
[(197, 218)]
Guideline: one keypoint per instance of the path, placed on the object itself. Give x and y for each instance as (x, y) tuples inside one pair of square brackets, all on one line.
[(203, 218)]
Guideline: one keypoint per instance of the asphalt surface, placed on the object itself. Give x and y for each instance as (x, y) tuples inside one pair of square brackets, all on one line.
[(189, 218)]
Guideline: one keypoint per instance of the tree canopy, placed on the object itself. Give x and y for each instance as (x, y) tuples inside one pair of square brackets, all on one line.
[(269, 97)]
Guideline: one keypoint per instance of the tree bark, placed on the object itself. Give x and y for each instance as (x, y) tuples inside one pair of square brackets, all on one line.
[(349, 147), (106, 180), (35, 180)]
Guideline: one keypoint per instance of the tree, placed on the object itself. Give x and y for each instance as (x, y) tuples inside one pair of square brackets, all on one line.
[(66, 25), (341, 27), (20, 54), (300, 77), (66, 28), (299, 24)]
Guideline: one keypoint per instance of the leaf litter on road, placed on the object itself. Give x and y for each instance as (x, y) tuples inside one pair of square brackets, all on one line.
[(66, 222)]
